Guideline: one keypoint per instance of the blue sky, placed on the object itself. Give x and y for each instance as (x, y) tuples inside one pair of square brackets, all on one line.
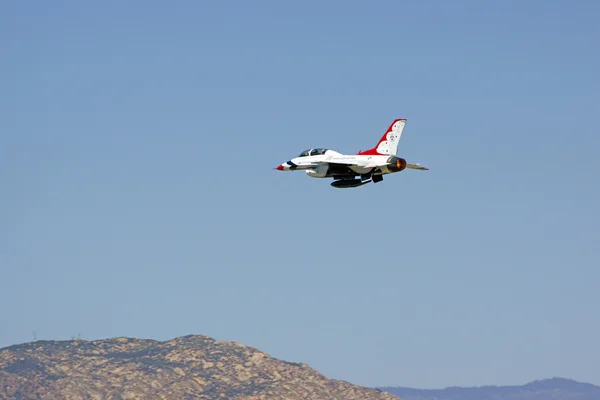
[(138, 141)]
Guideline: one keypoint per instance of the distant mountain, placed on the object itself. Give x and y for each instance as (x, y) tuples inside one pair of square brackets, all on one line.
[(190, 367), (548, 389)]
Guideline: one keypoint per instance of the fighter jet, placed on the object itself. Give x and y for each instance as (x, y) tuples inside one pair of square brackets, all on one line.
[(350, 171)]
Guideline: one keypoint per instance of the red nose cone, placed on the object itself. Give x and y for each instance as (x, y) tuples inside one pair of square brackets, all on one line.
[(280, 167)]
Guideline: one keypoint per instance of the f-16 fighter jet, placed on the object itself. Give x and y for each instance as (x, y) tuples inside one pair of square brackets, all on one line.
[(354, 170)]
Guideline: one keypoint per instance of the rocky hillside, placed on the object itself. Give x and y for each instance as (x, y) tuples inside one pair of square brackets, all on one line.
[(548, 389), (190, 367)]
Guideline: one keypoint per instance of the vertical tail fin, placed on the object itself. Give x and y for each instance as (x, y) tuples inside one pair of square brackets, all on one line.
[(388, 144)]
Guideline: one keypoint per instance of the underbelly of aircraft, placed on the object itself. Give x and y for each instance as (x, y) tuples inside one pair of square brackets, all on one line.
[(340, 171), (330, 171)]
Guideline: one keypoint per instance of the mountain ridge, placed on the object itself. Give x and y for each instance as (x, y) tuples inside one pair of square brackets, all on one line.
[(186, 367), (555, 388)]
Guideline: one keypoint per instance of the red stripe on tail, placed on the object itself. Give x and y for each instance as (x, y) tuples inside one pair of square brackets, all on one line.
[(374, 151)]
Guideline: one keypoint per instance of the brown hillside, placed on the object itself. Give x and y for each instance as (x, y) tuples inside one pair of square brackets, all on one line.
[(190, 367)]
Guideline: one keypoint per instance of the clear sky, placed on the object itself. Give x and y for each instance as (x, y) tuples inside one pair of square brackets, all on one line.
[(138, 195)]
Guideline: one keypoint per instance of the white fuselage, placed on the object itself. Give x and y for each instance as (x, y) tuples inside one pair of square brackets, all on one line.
[(319, 166)]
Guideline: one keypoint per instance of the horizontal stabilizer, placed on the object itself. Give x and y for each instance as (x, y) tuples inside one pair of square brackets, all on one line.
[(416, 166)]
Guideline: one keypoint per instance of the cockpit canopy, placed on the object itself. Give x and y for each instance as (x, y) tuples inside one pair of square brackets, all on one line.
[(312, 152)]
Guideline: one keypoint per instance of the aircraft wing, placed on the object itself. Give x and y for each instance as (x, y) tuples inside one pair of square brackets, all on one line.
[(411, 166), (416, 166), (335, 163)]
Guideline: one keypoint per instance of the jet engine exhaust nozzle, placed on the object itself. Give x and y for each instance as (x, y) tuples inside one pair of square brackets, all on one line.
[(396, 164)]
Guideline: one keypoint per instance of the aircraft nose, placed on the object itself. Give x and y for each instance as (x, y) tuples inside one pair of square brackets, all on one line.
[(287, 166)]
